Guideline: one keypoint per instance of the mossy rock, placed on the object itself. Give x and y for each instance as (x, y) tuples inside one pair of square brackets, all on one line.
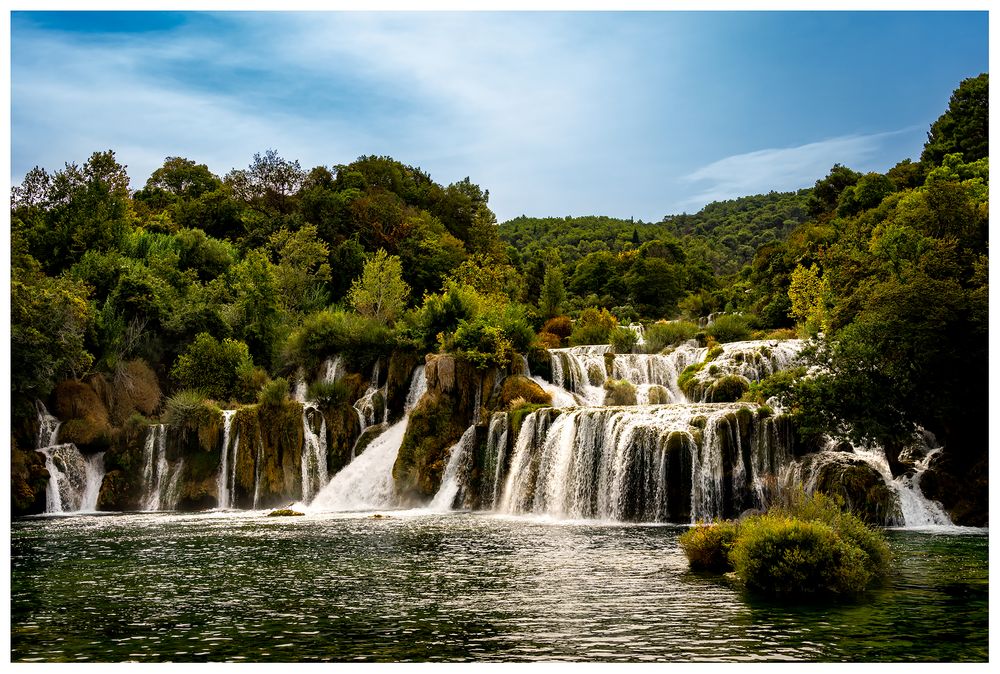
[(28, 480), (618, 392), (84, 415), (285, 512), (434, 426), (658, 395), (862, 489), (518, 386), (727, 389)]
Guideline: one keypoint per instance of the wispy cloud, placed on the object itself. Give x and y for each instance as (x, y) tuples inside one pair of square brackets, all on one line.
[(780, 169)]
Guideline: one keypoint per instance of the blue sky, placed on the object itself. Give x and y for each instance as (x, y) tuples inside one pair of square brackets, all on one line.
[(631, 114)]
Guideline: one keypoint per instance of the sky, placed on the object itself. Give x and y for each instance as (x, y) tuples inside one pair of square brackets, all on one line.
[(627, 114)]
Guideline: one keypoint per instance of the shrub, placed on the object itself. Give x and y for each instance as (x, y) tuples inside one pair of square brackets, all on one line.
[(686, 379), (518, 387), (729, 328), (441, 313), (212, 367), (330, 393), (707, 546), (362, 340), (549, 340), (593, 327), (623, 340), (661, 335), (806, 545), (778, 384), (273, 393), (188, 409), (561, 326), (492, 338), (785, 556)]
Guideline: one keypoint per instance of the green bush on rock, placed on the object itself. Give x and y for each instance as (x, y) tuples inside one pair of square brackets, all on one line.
[(661, 335), (806, 546)]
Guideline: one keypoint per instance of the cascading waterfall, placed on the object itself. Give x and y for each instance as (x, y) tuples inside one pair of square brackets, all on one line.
[(456, 473), (226, 482), (679, 461), (314, 452), (366, 482), (496, 452), (161, 477), (365, 405), (74, 478)]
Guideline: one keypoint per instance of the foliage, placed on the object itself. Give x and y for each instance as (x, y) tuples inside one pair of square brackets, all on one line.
[(806, 546), (561, 326), (729, 328), (707, 546), (623, 340), (380, 292), (330, 393), (659, 336), (964, 127), (274, 393), (808, 294), (215, 368), (553, 292), (493, 337), (362, 340), (189, 409), (594, 326)]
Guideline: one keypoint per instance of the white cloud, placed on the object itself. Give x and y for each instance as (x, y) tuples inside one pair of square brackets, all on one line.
[(779, 169)]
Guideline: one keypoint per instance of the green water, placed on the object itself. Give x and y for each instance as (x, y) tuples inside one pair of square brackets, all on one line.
[(243, 587)]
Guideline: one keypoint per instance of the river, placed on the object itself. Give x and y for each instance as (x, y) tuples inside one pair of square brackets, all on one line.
[(421, 586)]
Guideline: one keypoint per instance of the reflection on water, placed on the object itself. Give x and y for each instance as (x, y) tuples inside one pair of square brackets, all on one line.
[(415, 586)]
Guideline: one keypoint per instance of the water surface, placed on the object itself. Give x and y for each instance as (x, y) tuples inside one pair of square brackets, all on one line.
[(429, 587)]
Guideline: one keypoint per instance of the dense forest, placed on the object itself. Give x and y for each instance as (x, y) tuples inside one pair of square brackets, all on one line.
[(225, 286)]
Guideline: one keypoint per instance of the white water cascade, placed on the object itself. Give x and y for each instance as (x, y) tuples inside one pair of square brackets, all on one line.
[(161, 477), (226, 482), (74, 478), (366, 482), (456, 473), (680, 461), (314, 452)]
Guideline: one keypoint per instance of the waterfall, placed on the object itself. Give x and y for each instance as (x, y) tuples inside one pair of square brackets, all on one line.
[(581, 370), (314, 470), (160, 477), (456, 473), (226, 481), (496, 452), (639, 333), (645, 370), (331, 369), (48, 427), (366, 482), (74, 478), (656, 463), (750, 360), (258, 467)]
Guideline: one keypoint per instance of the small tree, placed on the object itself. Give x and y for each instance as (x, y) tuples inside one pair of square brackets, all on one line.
[(212, 367), (553, 292), (380, 292), (807, 292)]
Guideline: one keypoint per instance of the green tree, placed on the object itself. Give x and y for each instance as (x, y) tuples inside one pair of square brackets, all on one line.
[(964, 127), (808, 292), (553, 292), (380, 292), (212, 367)]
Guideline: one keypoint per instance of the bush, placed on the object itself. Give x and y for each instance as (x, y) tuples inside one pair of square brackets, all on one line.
[(520, 388), (362, 340), (707, 546), (441, 314), (807, 545), (779, 384), (329, 393), (560, 326), (273, 393), (686, 380), (549, 340), (623, 340), (661, 335), (593, 327), (212, 367), (729, 328), (785, 556), (492, 338), (188, 409)]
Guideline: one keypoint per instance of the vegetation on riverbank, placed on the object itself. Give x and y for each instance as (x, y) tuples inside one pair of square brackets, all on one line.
[(806, 546)]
